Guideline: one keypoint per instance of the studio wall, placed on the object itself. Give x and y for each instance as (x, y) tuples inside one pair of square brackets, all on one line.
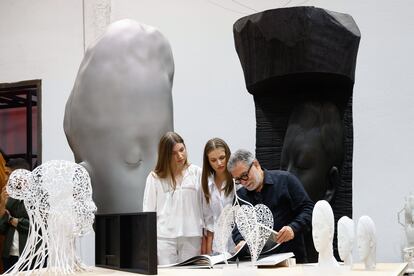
[(44, 40)]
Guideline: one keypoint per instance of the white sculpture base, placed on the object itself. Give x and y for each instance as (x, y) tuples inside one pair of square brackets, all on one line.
[(409, 258)]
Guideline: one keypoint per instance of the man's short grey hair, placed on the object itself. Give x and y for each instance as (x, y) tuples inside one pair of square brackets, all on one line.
[(240, 155)]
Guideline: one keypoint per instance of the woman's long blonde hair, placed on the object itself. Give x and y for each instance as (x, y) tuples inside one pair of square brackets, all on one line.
[(164, 169)]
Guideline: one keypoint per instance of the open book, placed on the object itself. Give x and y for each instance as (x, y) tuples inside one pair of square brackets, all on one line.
[(209, 261), (200, 261), (275, 259), (205, 260)]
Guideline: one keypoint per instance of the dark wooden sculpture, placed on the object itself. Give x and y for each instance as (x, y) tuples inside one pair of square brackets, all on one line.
[(296, 58)]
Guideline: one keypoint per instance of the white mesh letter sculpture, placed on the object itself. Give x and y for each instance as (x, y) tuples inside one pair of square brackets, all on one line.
[(224, 227), (58, 199), (255, 224)]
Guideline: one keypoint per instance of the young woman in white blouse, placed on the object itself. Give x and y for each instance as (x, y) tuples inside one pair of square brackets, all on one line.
[(218, 189), (173, 191)]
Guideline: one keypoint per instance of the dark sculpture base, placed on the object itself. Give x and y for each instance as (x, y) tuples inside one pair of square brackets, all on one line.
[(127, 242)]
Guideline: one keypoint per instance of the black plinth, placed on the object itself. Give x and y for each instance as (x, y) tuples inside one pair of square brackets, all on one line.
[(127, 242)]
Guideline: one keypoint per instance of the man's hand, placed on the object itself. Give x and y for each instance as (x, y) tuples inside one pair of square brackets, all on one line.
[(239, 245), (285, 234), (14, 222)]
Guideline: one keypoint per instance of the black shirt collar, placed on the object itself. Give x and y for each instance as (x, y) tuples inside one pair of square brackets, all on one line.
[(267, 179)]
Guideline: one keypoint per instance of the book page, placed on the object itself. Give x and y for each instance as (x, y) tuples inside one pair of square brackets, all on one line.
[(270, 249), (201, 260), (274, 259)]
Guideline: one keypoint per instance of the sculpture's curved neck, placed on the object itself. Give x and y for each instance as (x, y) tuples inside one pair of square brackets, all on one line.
[(370, 261), (326, 257)]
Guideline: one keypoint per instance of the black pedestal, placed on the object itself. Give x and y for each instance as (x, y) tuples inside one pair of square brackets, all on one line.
[(127, 242)]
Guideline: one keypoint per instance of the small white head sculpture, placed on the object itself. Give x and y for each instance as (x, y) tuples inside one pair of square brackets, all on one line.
[(346, 236), (367, 242), (58, 199), (323, 227)]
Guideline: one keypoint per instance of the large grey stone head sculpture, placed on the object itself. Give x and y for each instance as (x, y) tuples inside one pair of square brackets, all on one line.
[(120, 105)]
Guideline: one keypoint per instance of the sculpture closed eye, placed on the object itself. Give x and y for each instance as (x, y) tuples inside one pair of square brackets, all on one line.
[(133, 158)]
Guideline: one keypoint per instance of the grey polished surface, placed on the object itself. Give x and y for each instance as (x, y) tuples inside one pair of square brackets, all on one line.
[(120, 106)]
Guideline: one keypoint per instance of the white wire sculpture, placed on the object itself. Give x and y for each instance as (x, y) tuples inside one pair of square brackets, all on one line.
[(255, 224), (224, 227), (58, 200)]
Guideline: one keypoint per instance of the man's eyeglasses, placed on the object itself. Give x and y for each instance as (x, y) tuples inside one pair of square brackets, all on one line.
[(244, 176)]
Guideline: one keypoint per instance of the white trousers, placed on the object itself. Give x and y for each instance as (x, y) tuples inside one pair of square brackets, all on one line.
[(176, 250)]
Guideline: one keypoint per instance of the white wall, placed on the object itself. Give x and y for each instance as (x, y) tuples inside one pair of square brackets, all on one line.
[(43, 39), (383, 113), (209, 95)]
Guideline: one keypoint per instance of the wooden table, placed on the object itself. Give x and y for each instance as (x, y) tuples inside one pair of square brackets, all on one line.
[(383, 269)]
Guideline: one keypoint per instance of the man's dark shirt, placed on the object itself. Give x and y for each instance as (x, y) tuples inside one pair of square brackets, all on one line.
[(290, 205)]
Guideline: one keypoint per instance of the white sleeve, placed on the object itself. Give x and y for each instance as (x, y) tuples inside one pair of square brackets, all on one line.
[(150, 194), (208, 215), (201, 199), (207, 212)]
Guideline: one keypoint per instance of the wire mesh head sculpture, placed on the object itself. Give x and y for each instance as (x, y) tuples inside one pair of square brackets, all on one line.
[(255, 224), (58, 199), (224, 227)]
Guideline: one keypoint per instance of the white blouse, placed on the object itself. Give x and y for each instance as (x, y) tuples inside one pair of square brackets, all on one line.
[(212, 211), (179, 211)]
